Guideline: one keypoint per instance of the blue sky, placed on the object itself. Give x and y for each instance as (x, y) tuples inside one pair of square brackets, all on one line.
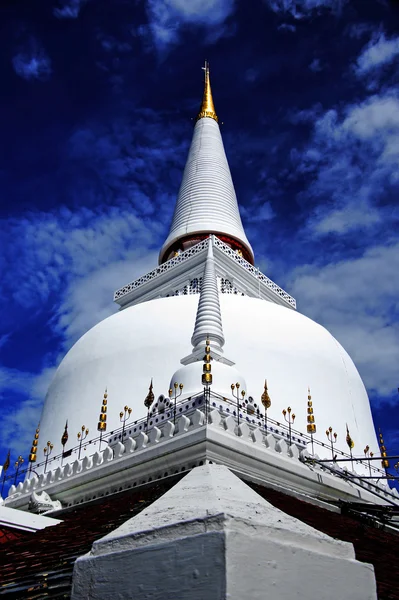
[(96, 116)]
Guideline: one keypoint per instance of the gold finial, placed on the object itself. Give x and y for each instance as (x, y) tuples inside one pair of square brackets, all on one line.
[(6, 462), (349, 441), (65, 435), (207, 107), (265, 398), (149, 399), (384, 462), (33, 450), (102, 419)]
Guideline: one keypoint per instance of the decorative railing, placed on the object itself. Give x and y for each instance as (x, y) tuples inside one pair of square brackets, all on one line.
[(255, 272), (183, 256), (164, 268)]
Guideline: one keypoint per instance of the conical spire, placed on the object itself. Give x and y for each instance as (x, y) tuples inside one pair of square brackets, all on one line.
[(207, 106), (208, 324), (208, 327), (207, 202)]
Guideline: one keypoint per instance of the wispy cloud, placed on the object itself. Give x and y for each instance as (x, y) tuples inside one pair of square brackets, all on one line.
[(356, 299), (316, 65), (31, 65), (300, 9), (69, 9), (167, 17), (378, 53), (353, 160), (20, 417)]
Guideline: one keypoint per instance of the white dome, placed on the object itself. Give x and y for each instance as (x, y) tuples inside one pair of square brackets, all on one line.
[(265, 340)]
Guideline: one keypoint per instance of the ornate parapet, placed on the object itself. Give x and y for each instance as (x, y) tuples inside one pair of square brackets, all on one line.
[(200, 435)]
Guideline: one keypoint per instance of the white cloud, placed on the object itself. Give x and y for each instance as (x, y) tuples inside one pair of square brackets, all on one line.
[(300, 9), (349, 218), (20, 418), (32, 65), (378, 53), (88, 300), (57, 248), (356, 300), (69, 9), (352, 160), (261, 211), (167, 16)]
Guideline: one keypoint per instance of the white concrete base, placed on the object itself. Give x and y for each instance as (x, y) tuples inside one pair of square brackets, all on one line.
[(212, 537)]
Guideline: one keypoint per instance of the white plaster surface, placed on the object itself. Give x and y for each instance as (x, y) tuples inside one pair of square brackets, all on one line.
[(264, 340), (212, 537), (206, 201), (18, 519)]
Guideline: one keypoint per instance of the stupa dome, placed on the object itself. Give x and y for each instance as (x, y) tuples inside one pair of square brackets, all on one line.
[(265, 340)]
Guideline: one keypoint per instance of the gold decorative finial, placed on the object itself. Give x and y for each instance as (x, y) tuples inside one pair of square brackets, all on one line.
[(349, 441), (207, 107), (265, 398), (6, 462), (149, 399), (33, 450), (207, 368), (102, 419), (65, 435), (384, 462), (311, 426)]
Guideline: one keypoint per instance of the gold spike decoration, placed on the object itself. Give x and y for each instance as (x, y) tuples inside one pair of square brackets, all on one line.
[(65, 435), (207, 107), (384, 462), (33, 450), (265, 398), (207, 367), (311, 426), (6, 464), (349, 441), (149, 399), (102, 419)]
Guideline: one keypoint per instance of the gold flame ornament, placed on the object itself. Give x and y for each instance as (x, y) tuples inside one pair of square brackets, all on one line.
[(311, 426), (6, 464), (65, 435), (102, 419), (33, 450), (265, 398), (384, 462), (349, 441), (207, 108), (149, 399)]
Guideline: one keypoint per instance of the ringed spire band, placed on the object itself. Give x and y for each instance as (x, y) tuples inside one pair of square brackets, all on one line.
[(207, 106)]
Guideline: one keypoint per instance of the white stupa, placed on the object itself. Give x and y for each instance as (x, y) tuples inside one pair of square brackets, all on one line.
[(204, 311)]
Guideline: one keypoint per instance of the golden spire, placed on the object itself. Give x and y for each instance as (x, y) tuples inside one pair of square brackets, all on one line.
[(207, 107)]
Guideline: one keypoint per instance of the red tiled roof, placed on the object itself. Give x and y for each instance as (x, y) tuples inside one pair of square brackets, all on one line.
[(8, 534)]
